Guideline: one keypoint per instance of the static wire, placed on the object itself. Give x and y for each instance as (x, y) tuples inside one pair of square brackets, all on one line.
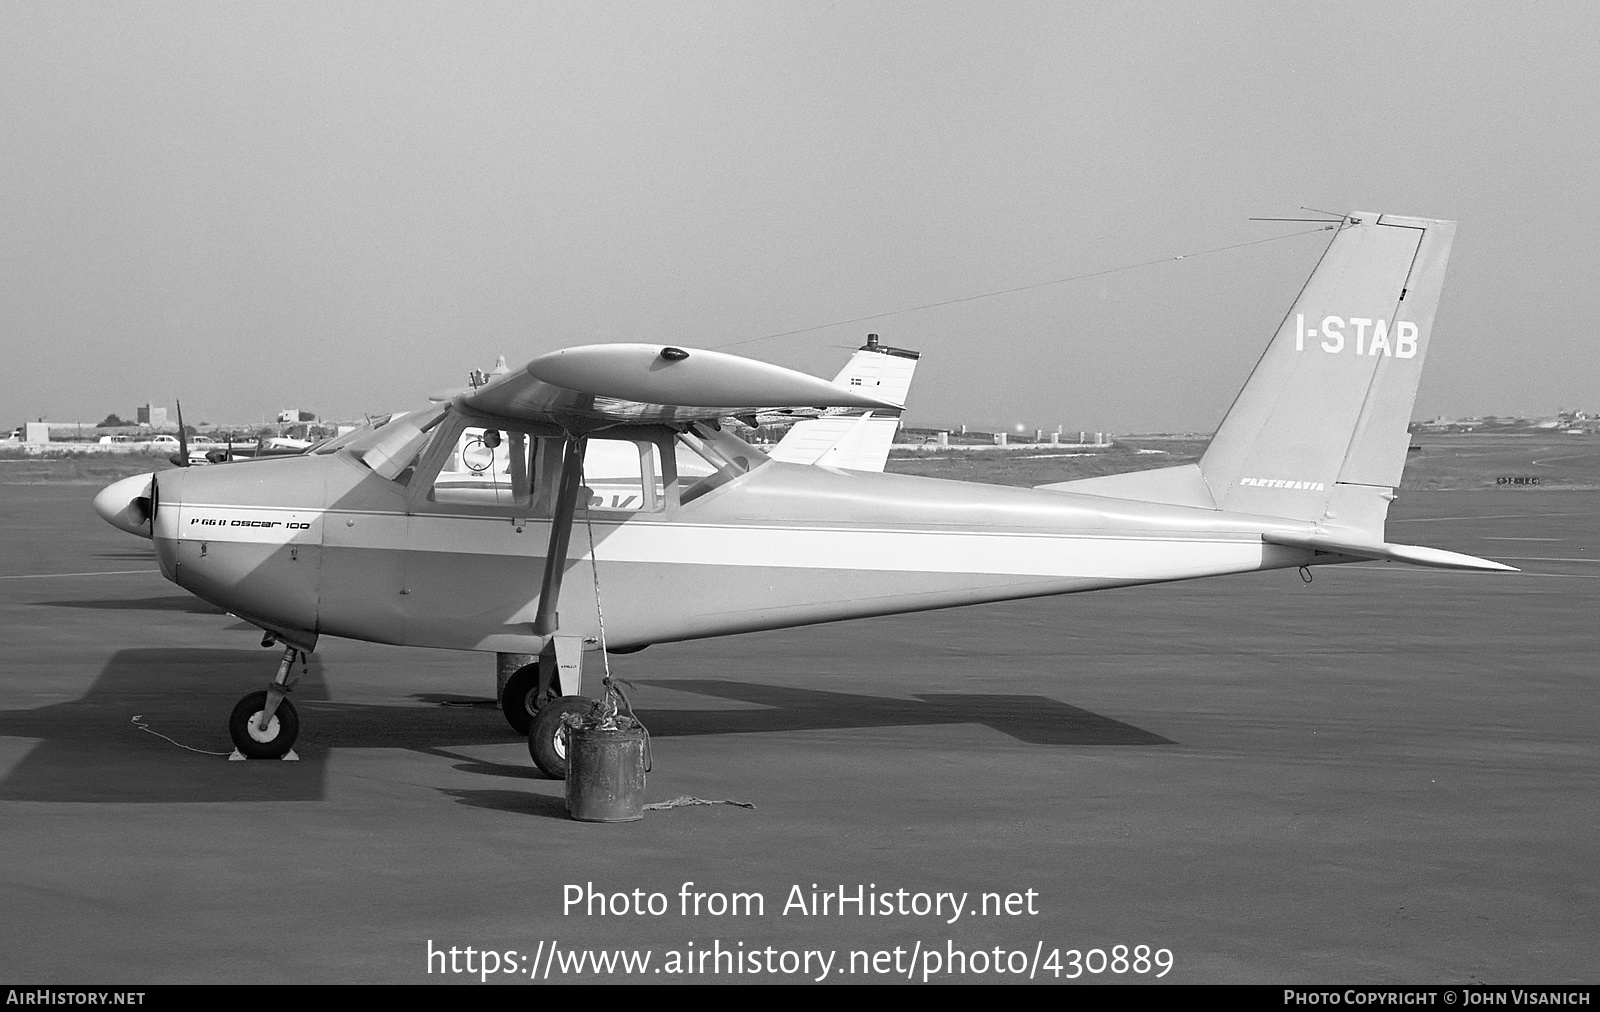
[(1027, 288)]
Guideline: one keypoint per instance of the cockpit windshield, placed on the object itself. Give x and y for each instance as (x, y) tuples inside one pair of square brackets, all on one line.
[(390, 446), (333, 444)]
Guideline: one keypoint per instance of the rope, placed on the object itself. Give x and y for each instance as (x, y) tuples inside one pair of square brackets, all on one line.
[(594, 569), (138, 717), (608, 705), (685, 801), (1025, 288)]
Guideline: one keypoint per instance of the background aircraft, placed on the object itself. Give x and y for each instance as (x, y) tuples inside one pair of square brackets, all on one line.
[(854, 440), (364, 538)]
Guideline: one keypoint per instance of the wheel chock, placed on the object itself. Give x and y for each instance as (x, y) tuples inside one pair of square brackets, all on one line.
[(239, 757)]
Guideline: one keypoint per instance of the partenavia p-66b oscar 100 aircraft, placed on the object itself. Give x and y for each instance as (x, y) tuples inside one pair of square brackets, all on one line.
[(453, 526)]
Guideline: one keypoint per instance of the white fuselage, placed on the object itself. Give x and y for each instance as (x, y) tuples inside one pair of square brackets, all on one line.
[(319, 545)]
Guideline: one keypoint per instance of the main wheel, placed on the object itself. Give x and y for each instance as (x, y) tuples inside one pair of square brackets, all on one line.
[(547, 738), (518, 700), (254, 743)]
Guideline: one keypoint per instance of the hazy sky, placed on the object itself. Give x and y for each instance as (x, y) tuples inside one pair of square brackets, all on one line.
[(343, 207)]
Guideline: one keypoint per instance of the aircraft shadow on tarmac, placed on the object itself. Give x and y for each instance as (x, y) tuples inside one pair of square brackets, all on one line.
[(1036, 720), (176, 602), (90, 750)]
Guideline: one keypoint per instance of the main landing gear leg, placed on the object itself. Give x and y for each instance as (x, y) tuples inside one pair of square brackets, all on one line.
[(560, 673), (264, 724)]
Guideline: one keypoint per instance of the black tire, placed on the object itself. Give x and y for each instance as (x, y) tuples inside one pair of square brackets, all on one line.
[(546, 738), (519, 699), (280, 735)]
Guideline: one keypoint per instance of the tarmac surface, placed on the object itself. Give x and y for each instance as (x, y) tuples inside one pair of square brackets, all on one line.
[(1389, 774)]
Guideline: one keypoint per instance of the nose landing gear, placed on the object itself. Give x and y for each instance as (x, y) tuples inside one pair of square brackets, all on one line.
[(264, 724)]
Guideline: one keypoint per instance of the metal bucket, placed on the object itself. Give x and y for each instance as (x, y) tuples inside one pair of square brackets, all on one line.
[(605, 773)]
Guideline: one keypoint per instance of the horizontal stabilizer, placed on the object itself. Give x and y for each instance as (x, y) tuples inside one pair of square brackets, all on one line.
[(1182, 485), (1435, 558)]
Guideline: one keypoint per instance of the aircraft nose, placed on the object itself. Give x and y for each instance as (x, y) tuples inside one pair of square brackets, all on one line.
[(125, 504)]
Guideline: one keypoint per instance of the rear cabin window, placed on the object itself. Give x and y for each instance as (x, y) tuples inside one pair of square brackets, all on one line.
[(622, 476)]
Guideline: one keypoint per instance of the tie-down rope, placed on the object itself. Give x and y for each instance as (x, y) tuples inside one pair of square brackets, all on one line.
[(138, 721), (685, 801), (608, 708), (614, 691)]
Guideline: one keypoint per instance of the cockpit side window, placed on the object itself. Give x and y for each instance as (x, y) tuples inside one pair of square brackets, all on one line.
[(477, 465), (488, 466)]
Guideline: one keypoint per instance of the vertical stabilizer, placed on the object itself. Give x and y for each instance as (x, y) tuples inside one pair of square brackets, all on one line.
[(1319, 431)]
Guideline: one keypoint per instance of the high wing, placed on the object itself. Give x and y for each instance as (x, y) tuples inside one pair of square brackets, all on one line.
[(593, 386)]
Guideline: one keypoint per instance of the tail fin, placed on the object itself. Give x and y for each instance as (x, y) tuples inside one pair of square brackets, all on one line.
[(1319, 431)]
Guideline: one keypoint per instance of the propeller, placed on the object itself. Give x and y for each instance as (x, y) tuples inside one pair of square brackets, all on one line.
[(181, 458)]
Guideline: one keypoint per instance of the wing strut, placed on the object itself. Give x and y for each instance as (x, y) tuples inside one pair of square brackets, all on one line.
[(546, 619), (561, 658)]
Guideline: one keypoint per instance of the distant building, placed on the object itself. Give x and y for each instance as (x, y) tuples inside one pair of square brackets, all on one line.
[(153, 416)]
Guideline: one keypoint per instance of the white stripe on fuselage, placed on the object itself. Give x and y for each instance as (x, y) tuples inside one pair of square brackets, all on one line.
[(1094, 555)]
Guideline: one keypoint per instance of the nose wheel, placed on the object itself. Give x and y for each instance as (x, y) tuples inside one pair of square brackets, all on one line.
[(264, 724), (255, 742)]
